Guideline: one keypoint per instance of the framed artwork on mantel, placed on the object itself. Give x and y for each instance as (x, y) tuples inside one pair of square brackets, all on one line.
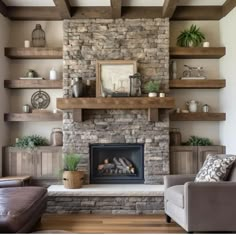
[(112, 77)]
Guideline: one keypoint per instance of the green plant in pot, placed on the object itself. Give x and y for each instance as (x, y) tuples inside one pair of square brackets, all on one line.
[(152, 87), (31, 142), (191, 37), (72, 178), (198, 141)]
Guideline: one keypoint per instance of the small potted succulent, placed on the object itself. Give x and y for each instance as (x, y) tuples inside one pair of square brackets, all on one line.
[(152, 87), (191, 37), (72, 178)]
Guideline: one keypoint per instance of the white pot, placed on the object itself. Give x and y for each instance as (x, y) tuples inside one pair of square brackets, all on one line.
[(152, 94)]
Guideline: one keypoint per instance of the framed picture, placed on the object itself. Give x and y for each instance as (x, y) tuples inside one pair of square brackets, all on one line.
[(113, 77)]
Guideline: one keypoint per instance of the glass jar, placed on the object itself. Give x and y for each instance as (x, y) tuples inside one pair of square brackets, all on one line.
[(38, 37), (175, 137), (56, 137)]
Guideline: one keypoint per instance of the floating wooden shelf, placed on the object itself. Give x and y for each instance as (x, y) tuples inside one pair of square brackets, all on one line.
[(152, 104), (197, 84), (32, 117), (197, 52), (34, 53), (33, 84), (198, 116)]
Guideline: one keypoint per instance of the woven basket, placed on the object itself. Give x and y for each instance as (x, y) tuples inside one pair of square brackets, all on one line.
[(73, 179)]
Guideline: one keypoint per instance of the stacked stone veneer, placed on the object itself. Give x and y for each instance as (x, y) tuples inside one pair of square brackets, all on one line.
[(144, 40)]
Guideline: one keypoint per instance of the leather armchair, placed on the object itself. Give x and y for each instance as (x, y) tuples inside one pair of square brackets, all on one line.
[(201, 207), (20, 207)]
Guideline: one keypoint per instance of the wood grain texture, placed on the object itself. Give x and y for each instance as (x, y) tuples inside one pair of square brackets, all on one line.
[(3, 9), (115, 103), (197, 52), (197, 13), (91, 13), (63, 6), (32, 117), (153, 115), (33, 53), (198, 116), (169, 8), (227, 7), (197, 84), (81, 223), (116, 6), (33, 84), (141, 12), (33, 13)]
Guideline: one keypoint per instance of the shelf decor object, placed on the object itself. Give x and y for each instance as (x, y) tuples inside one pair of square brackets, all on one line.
[(38, 37)]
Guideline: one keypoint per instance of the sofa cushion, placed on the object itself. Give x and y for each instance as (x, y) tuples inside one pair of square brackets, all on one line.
[(175, 194), (215, 168), (18, 206)]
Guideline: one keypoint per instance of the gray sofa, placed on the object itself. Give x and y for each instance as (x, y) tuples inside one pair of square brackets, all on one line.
[(201, 207)]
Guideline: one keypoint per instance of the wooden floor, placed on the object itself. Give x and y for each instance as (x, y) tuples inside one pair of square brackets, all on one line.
[(80, 223)]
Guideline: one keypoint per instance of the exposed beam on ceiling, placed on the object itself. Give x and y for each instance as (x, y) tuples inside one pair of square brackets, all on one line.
[(197, 13), (228, 6), (169, 8), (33, 13), (64, 8), (3, 9), (91, 13), (116, 6), (141, 12)]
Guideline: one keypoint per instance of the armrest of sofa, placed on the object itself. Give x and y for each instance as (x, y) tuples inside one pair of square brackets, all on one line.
[(210, 204), (172, 180), (10, 183)]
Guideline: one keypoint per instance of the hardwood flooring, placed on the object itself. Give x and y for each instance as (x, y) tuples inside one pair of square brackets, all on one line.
[(83, 223)]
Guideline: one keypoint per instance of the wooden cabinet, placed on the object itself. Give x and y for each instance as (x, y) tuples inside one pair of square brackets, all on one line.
[(42, 163), (189, 159)]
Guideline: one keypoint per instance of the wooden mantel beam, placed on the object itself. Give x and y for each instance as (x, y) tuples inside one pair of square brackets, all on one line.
[(228, 6), (3, 9), (116, 6), (64, 8), (169, 8)]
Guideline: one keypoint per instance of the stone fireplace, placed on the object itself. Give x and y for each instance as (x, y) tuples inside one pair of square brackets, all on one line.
[(116, 163), (144, 40)]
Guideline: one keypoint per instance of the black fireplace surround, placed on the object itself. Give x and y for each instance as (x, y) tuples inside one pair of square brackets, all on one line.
[(116, 163)]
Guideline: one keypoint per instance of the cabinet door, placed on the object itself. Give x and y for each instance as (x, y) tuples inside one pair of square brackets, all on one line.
[(203, 151), (49, 163), (18, 162), (183, 160)]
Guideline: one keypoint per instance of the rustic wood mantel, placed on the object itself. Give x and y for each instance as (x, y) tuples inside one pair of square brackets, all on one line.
[(152, 104)]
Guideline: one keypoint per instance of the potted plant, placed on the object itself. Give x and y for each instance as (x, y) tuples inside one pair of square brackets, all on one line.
[(31, 142), (72, 178), (152, 87), (191, 37), (198, 141)]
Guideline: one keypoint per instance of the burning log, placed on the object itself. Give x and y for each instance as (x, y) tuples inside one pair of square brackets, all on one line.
[(106, 166)]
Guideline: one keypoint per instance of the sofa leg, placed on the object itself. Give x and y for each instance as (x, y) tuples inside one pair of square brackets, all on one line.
[(168, 219)]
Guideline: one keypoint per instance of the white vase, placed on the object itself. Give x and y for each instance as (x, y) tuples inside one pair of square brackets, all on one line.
[(152, 94), (53, 74)]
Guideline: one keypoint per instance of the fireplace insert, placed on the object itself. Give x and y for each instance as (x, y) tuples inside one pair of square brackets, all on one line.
[(116, 163)]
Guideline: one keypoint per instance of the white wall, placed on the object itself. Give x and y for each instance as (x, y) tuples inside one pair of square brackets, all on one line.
[(4, 36), (20, 31), (211, 97), (228, 71)]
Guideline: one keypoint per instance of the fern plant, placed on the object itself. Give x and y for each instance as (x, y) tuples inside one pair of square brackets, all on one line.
[(71, 161), (152, 86), (191, 37), (198, 141), (31, 142)]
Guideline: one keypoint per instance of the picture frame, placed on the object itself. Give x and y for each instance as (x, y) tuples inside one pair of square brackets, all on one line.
[(112, 77)]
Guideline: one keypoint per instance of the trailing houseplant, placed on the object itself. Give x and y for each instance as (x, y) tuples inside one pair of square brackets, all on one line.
[(191, 37), (198, 141), (152, 87), (72, 178), (31, 142)]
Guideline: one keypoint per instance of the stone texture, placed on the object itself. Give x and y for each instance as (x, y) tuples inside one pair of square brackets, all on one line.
[(144, 40)]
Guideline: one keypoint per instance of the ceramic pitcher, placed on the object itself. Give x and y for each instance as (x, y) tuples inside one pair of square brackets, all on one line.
[(192, 106)]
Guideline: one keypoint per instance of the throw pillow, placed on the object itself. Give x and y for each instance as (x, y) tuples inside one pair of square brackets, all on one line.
[(215, 168)]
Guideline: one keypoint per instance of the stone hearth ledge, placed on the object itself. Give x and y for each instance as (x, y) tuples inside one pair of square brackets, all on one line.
[(104, 190)]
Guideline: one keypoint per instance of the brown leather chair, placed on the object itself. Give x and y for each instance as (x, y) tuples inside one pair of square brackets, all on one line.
[(20, 207)]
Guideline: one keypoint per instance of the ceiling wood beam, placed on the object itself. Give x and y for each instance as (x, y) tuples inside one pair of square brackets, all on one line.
[(227, 7), (91, 13), (116, 6), (3, 9), (169, 8), (141, 12), (33, 13), (197, 13), (63, 6)]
